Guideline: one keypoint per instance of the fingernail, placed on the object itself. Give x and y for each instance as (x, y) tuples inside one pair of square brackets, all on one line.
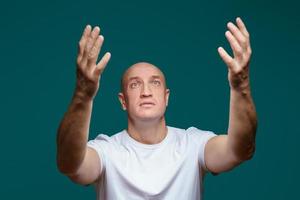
[(97, 28)]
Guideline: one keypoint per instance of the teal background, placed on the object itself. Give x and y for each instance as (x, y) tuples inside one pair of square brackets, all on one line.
[(38, 51)]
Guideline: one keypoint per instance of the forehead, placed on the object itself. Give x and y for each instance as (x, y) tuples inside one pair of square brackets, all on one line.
[(143, 71)]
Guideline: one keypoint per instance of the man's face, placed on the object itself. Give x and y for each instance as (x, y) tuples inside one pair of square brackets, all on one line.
[(144, 96)]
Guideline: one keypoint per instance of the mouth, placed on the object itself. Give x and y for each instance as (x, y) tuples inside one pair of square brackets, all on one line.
[(147, 104)]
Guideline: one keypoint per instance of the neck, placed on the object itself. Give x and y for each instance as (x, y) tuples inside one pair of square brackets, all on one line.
[(147, 132)]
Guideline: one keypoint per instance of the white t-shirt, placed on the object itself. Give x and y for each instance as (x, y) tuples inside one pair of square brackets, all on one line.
[(171, 169)]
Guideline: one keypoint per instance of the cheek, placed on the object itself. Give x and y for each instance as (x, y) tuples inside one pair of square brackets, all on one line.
[(162, 98), (132, 99)]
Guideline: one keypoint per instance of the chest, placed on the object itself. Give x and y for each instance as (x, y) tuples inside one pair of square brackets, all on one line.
[(153, 171)]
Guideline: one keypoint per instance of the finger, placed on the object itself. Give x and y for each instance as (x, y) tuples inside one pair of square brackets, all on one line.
[(225, 57), (240, 37), (102, 64), (93, 55), (90, 43), (82, 41), (235, 46), (242, 27), (93, 37)]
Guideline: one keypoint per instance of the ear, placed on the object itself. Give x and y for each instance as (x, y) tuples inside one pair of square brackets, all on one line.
[(167, 96), (122, 100)]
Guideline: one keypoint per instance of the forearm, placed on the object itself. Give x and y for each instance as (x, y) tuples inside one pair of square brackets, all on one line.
[(73, 134), (242, 124)]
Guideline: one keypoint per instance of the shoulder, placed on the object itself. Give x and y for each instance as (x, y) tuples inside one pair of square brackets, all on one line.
[(191, 132), (103, 140), (199, 133), (191, 135)]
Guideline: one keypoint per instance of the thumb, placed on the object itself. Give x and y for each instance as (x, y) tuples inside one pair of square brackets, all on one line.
[(227, 59), (102, 64)]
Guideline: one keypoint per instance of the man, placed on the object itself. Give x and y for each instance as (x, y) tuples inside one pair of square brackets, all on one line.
[(150, 160)]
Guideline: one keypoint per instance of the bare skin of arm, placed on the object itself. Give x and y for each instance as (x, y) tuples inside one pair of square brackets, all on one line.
[(74, 158), (225, 152)]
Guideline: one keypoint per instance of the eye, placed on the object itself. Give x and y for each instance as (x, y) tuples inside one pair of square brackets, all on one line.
[(134, 84), (156, 82)]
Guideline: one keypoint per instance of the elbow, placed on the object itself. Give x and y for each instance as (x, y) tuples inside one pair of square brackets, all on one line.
[(63, 166), (247, 154), (250, 153), (243, 152), (67, 160), (66, 166)]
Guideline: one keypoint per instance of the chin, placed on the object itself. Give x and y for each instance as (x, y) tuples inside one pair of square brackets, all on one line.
[(149, 117), (148, 114)]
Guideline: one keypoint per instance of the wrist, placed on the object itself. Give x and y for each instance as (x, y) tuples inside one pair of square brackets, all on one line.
[(243, 91), (82, 97)]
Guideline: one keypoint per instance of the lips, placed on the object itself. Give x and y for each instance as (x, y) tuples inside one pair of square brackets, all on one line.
[(147, 103)]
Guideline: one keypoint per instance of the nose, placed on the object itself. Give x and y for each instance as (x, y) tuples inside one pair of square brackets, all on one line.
[(146, 91)]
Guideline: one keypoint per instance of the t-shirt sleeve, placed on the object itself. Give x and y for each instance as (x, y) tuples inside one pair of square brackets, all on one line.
[(100, 145), (200, 138)]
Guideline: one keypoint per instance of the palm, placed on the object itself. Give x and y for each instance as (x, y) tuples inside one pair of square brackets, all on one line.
[(88, 71), (238, 65)]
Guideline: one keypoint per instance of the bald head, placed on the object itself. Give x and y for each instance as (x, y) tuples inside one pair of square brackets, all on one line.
[(139, 67)]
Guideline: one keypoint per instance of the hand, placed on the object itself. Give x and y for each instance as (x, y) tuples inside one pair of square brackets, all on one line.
[(88, 71), (238, 67)]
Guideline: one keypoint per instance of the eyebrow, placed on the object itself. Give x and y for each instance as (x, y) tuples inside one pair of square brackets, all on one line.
[(156, 76), (133, 78), (136, 77)]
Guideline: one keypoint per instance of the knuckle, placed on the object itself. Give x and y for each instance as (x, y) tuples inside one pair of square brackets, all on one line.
[(78, 60), (249, 51), (93, 52), (231, 62), (244, 41), (89, 44), (87, 47), (90, 54), (239, 51), (81, 44), (81, 65)]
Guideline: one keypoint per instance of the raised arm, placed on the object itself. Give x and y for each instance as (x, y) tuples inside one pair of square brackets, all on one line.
[(74, 158), (224, 152)]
